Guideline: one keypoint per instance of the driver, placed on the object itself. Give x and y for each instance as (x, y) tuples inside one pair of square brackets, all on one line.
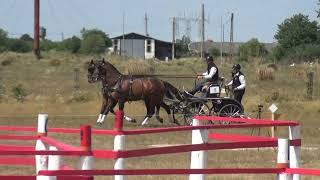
[(210, 76), (238, 82)]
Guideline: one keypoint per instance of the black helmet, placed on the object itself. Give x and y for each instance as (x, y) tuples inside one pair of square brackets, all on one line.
[(209, 58), (236, 67)]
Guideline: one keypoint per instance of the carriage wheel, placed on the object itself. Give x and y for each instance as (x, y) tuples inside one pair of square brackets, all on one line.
[(193, 109), (230, 110)]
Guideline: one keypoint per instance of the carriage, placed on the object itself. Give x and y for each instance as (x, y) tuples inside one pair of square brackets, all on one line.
[(208, 102)]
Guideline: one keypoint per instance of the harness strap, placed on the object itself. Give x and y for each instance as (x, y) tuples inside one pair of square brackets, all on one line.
[(130, 87)]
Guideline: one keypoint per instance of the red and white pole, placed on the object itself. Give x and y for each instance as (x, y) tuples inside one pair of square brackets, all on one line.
[(119, 144), (198, 158), (86, 162), (54, 162), (283, 158), (42, 160), (294, 151)]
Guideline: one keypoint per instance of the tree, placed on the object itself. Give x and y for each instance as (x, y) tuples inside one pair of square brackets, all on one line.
[(3, 40), (297, 30), (252, 48), (181, 46), (72, 44), (26, 37), (94, 41)]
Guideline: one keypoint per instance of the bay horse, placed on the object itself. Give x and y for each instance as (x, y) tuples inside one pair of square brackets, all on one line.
[(119, 88)]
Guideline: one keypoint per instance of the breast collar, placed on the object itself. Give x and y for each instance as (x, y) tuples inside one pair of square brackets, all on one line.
[(111, 88)]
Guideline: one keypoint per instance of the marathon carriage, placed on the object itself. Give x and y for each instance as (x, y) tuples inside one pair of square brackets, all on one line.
[(208, 102)]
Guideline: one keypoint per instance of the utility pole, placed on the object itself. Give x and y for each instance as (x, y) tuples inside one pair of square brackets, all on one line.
[(122, 48), (173, 37), (231, 38), (202, 30), (36, 48), (146, 24), (221, 39)]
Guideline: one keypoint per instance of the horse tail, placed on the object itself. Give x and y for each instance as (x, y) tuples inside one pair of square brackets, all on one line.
[(171, 90)]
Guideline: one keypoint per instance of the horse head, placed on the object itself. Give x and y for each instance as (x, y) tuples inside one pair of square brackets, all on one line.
[(95, 71)]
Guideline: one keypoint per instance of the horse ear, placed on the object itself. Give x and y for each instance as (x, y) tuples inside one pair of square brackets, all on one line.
[(91, 62), (103, 61)]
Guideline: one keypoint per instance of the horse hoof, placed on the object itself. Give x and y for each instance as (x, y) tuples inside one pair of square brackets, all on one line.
[(133, 121), (160, 120)]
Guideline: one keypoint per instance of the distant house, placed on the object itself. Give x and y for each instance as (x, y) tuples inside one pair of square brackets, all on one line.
[(141, 47), (196, 46)]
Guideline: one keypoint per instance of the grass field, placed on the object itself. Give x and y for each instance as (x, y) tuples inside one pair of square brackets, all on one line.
[(50, 83)]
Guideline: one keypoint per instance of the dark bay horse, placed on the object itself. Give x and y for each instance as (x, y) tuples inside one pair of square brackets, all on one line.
[(119, 88)]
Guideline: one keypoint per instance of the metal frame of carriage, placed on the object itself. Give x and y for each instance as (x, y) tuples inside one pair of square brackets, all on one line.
[(211, 103)]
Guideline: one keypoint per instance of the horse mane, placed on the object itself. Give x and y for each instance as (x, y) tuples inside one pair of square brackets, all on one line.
[(107, 65)]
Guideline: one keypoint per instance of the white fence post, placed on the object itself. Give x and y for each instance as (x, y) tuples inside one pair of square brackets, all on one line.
[(283, 158), (119, 144), (295, 151), (198, 158), (42, 160)]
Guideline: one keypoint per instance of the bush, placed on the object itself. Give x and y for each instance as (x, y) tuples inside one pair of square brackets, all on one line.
[(71, 44), (214, 52), (55, 62), (8, 60), (17, 45), (301, 53), (48, 45), (252, 48), (19, 93)]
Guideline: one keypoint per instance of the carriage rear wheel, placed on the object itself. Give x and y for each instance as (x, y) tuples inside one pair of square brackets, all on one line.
[(230, 110), (194, 109)]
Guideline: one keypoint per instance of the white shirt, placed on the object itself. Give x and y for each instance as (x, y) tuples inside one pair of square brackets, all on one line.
[(242, 81), (212, 72)]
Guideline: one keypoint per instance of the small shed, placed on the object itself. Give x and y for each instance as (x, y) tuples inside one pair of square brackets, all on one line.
[(141, 47)]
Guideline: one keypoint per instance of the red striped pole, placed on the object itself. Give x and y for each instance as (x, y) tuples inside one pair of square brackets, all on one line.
[(118, 123), (86, 162), (85, 134), (119, 144)]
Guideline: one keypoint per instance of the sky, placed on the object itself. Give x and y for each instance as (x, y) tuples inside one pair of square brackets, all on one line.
[(253, 18)]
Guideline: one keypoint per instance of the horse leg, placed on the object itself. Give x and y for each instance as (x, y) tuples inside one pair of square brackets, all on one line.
[(147, 117), (168, 110), (103, 107), (129, 119), (106, 111), (157, 114)]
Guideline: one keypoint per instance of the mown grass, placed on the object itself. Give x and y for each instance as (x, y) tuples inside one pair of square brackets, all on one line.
[(50, 88)]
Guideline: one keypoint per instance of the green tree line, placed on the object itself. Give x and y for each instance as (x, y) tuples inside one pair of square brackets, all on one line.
[(93, 41)]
